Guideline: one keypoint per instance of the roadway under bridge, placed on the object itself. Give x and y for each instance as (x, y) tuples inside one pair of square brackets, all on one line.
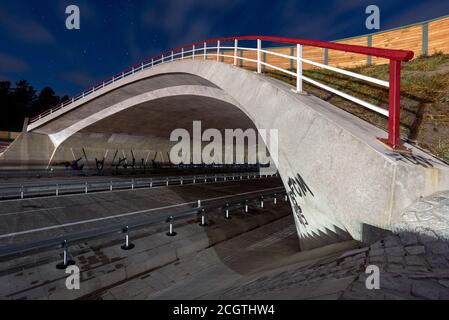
[(341, 181)]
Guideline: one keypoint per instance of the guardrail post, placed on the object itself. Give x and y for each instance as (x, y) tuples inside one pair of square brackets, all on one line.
[(181, 182), (110, 186), (203, 219), (127, 245), (218, 50), (132, 184), (205, 51), (205, 179), (194, 179), (65, 261), (85, 188), (21, 192), (151, 183), (236, 42), (259, 47), (57, 190), (215, 178), (166, 182), (298, 68), (394, 120), (227, 212), (170, 232)]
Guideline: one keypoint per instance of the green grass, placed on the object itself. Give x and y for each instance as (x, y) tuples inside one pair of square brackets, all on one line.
[(424, 94)]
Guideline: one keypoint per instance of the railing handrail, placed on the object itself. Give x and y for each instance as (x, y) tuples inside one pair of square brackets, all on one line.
[(395, 57)]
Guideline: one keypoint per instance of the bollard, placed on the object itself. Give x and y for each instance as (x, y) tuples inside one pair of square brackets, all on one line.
[(57, 190), (203, 219), (21, 192), (110, 186), (127, 245), (132, 184), (170, 232), (66, 261), (199, 203), (215, 178), (166, 182), (227, 212), (194, 179), (261, 202), (151, 183), (275, 199), (85, 189), (246, 206), (181, 182), (205, 179)]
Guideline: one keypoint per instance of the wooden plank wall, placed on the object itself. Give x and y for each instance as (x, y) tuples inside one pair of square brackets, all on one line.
[(436, 32)]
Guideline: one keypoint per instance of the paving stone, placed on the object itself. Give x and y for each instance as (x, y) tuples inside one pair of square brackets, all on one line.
[(437, 247), (415, 261), (408, 239), (395, 251), (426, 289), (437, 261), (392, 241), (377, 245), (395, 259), (399, 284), (376, 252), (415, 250)]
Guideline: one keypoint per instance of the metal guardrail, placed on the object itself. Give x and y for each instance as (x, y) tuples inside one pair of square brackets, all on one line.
[(228, 203), (201, 50), (57, 189)]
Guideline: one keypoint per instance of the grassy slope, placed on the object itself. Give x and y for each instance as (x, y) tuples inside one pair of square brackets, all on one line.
[(425, 98)]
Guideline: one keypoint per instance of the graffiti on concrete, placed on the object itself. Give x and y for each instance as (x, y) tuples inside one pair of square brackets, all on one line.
[(298, 189), (410, 158)]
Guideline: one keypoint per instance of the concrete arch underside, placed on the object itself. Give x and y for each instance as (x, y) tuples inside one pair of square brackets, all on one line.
[(341, 181)]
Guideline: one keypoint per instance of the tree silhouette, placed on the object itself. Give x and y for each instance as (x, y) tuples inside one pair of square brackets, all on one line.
[(21, 101)]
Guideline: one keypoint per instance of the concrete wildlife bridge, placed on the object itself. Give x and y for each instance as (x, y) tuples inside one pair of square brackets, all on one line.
[(345, 177)]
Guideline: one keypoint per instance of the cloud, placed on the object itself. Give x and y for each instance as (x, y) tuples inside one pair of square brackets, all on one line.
[(79, 78), (10, 64), (25, 29)]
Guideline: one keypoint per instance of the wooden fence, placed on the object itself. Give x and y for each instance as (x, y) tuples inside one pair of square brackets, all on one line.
[(422, 38)]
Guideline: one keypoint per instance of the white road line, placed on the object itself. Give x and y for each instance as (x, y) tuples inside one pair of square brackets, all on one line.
[(124, 214), (28, 211)]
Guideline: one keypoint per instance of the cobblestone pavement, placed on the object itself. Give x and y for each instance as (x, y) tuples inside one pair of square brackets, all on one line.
[(427, 217)]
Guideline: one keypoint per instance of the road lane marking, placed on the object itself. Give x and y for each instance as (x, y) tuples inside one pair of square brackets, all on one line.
[(124, 214), (28, 211)]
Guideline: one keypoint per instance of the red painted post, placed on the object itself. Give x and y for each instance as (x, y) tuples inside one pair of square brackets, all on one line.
[(394, 120)]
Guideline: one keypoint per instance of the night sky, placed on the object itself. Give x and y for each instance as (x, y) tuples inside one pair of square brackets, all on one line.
[(115, 34)]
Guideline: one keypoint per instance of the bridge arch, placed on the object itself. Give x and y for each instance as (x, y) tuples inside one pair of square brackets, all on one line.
[(339, 178)]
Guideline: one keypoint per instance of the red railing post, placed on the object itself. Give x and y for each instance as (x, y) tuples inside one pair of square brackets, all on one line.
[(394, 120)]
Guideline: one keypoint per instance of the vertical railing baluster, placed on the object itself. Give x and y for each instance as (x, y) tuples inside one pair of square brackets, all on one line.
[(235, 51), (298, 68), (218, 50)]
